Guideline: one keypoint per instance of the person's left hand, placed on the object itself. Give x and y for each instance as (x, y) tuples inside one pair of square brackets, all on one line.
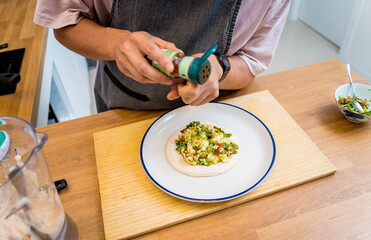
[(195, 94)]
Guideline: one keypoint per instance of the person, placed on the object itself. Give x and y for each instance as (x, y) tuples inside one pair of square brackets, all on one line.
[(121, 34)]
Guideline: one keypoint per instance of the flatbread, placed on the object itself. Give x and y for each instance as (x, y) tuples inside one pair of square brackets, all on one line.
[(177, 161)]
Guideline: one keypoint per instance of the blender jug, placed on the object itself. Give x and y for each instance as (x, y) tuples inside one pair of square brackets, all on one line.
[(30, 207)]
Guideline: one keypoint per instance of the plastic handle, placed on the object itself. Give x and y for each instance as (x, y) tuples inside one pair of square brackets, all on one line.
[(5, 45), (60, 184), (208, 53), (13, 78)]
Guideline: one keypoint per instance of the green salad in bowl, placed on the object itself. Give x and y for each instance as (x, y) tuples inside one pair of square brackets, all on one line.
[(343, 98), (347, 103)]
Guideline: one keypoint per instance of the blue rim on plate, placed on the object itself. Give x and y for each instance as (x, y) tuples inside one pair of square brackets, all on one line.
[(215, 199)]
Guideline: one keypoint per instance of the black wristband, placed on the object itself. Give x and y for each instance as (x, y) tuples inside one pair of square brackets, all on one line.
[(224, 63)]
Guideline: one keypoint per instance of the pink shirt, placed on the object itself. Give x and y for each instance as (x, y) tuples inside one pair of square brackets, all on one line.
[(258, 26)]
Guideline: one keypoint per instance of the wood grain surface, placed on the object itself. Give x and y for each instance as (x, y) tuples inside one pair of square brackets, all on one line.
[(133, 205), (333, 207), (18, 30)]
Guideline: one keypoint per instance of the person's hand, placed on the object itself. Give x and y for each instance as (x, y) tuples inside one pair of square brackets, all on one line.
[(129, 55), (195, 94)]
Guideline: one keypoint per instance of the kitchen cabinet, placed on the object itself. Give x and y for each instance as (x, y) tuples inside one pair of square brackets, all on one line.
[(18, 30), (66, 84)]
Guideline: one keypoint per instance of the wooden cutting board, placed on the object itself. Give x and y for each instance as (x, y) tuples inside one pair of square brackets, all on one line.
[(133, 205)]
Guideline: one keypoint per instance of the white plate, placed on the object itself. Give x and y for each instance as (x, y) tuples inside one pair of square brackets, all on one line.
[(257, 153)]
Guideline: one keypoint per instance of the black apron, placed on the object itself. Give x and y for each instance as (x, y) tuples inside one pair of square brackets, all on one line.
[(192, 25)]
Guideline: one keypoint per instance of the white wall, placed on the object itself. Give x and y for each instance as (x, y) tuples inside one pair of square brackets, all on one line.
[(330, 18), (346, 23), (294, 10), (356, 48)]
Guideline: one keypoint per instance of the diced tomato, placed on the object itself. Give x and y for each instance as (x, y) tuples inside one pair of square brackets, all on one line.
[(218, 148), (182, 131)]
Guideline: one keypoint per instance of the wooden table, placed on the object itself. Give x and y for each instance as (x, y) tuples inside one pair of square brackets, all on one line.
[(334, 207), (18, 30)]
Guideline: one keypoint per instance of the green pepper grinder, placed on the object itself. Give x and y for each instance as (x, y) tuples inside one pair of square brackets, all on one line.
[(197, 70), (200, 69)]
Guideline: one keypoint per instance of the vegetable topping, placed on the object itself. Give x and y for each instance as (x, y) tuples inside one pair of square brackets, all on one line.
[(205, 144), (347, 103)]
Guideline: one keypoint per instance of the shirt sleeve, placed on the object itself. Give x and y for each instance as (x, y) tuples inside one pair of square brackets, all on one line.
[(57, 14), (259, 50)]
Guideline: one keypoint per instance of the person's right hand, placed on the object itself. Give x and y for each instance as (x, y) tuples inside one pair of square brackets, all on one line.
[(129, 55)]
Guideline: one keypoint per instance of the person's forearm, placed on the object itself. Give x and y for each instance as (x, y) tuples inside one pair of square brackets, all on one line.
[(239, 76), (127, 48), (90, 39)]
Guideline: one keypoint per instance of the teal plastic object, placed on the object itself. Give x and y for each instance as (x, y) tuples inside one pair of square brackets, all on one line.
[(4, 144), (200, 69)]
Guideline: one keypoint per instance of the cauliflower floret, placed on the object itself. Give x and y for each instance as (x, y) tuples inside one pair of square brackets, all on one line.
[(204, 144), (223, 158), (216, 138), (190, 149), (213, 158)]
